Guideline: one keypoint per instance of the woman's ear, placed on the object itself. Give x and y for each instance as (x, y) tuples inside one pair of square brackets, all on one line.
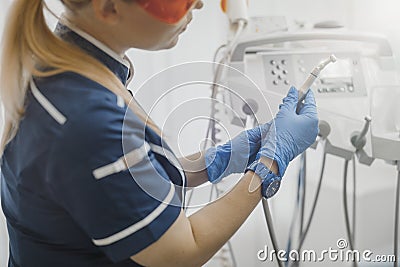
[(106, 10)]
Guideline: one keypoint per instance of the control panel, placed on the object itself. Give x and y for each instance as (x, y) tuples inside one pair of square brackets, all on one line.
[(341, 79)]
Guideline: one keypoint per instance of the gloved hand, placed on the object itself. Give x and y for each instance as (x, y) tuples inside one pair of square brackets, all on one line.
[(293, 133), (235, 155)]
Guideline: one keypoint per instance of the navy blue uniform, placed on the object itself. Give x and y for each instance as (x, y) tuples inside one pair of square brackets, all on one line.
[(85, 182)]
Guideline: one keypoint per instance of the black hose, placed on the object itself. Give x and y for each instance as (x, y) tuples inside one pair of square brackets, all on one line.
[(354, 199), (303, 192), (346, 210), (297, 206), (314, 205), (268, 218), (308, 224), (396, 222)]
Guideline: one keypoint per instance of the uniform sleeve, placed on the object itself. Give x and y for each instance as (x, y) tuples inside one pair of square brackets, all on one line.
[(103, 174)]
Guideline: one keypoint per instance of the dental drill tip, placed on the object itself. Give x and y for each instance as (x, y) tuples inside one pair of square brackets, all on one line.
[(333, 58)]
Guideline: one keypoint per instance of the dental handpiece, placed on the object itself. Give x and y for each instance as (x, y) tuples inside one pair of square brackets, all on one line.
[(311, 79)]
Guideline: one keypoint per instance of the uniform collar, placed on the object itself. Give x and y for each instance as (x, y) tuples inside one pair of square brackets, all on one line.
[(120, 66)]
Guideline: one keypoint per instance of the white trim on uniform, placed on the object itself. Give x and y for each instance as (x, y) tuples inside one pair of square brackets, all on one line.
[(139, 225), (120, 101), (46, 104), (123, 163), (166, 153)]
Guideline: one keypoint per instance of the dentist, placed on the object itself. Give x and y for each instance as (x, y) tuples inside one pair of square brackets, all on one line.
[(85, 176)]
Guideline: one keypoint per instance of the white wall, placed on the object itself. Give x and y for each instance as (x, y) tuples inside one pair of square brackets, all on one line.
[(204, 35)]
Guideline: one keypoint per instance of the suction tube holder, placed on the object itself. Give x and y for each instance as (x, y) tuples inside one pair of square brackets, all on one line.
[(311, 79), (359, 140)]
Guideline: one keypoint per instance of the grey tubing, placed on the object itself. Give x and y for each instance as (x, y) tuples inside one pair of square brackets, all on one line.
[(307, 226), (396, 222), (354, 198), (271, 230), (303, 195), (346, 210)]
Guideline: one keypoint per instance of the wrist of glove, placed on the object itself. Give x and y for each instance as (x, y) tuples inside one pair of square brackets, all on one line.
[(235, 155), (292, 133)]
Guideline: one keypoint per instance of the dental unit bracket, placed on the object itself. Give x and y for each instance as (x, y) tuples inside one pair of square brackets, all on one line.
[(359, 140)]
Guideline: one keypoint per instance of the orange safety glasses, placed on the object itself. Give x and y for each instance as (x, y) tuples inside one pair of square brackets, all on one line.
[(168, 11)]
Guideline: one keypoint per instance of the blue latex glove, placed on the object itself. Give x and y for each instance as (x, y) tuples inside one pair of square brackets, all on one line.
[(293, 133), (235, 155)]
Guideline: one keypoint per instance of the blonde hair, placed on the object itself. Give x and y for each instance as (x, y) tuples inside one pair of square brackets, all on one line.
[(29, 46)]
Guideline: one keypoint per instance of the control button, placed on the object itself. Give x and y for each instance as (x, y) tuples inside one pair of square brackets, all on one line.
[(319, 90), (342, 89), (287, 82), (273, 72), (301, 69), (273, 62), (280, 77), (325, 90), (283, 62), (278, 67), (285, 72), (350, 89), (275, 82)]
